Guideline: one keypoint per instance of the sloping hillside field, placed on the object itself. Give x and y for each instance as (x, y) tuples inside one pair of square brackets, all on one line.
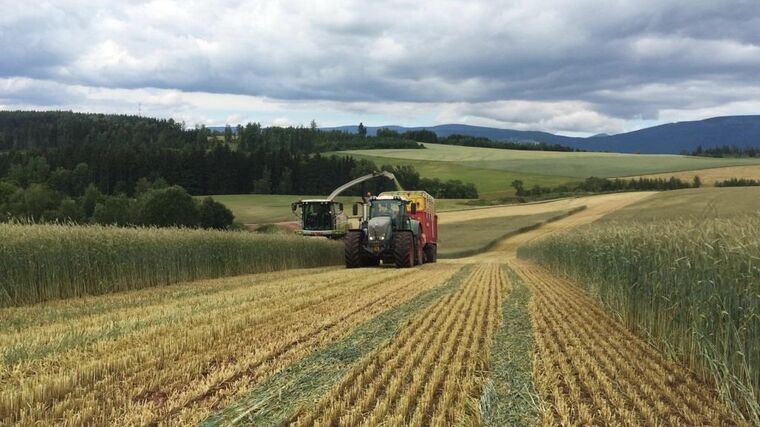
[(492, 170), (558, 335)]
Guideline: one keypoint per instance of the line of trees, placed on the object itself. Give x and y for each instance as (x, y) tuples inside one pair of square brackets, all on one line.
[(154, 204), (726, 151), (604, 185), (472, 141), (428, 136), (738, 182), (91, 168)]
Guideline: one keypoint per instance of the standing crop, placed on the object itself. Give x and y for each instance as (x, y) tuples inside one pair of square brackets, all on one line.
[(694, 288), (47, 262)]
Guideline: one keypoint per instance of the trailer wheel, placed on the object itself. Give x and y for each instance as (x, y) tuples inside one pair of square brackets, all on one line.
[(353, 244), (431, 253), (403, 249)]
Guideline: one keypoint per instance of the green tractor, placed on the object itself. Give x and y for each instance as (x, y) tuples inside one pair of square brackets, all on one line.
[(398, 228)]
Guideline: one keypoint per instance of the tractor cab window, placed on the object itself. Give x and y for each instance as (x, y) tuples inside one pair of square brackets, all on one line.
[(390, 208), (317, 216)]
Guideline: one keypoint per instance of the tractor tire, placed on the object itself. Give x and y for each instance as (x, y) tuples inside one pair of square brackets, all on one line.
[(419, 254), (403, 249), (353, 251), (431, 253)]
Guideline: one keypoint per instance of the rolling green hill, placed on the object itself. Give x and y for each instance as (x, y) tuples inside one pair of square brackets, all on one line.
[(492, 170)]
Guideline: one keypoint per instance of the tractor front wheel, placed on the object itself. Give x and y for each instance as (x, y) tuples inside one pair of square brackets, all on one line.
[(353, 243), (403, 249)]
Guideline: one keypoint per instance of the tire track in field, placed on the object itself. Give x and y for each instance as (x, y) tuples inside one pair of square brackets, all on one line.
[(591, 370), (431, 372), (596, 207)]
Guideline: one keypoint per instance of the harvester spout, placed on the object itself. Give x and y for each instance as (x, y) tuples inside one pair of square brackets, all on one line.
[(361, 179)]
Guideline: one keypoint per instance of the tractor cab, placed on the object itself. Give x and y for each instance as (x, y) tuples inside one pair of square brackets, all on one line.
[(395, 209), (321, 218)]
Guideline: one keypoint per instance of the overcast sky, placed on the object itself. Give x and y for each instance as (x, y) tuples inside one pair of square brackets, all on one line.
[(571, 67)]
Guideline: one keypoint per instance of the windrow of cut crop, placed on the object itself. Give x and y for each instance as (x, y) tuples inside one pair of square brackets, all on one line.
[(431, 373), (48, 262), (692, 287)]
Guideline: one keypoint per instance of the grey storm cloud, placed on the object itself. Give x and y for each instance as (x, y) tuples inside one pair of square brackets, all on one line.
[(622, 59)]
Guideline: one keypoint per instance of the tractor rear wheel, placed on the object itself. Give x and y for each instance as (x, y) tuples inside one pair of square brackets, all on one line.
[(353, 243), (403, 249)]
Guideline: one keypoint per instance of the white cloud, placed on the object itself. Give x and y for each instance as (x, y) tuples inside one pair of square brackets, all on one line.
[(586, 65)]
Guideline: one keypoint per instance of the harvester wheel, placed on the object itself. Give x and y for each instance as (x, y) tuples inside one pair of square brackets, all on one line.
[(431, 253), (403, 249), (353, 243)]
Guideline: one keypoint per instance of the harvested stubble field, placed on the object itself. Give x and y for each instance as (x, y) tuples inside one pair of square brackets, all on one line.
[(171, 355), (431, 373), (443, 344)]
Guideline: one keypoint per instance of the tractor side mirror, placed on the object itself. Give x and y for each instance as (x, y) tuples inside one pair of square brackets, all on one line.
[(414, 208), (340, 206), (294, 206), (355, 210)]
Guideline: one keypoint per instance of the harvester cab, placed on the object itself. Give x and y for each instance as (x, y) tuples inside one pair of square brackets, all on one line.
[(325, 217), (321, 217)]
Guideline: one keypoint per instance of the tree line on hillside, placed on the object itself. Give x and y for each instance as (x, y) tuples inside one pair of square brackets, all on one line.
[(428, 136), (56, 159), (31, 130), (726, 151), (604, 185), (472, 141), (154, 204), (738, 182)]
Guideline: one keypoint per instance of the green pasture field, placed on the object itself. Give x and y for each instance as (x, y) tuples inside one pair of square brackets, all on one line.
[(464, 238), (492, 170)]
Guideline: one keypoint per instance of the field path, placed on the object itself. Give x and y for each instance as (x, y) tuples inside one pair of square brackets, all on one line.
[(596, 207)]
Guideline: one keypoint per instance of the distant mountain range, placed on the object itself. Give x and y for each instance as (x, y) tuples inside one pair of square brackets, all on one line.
[(671, 138)]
